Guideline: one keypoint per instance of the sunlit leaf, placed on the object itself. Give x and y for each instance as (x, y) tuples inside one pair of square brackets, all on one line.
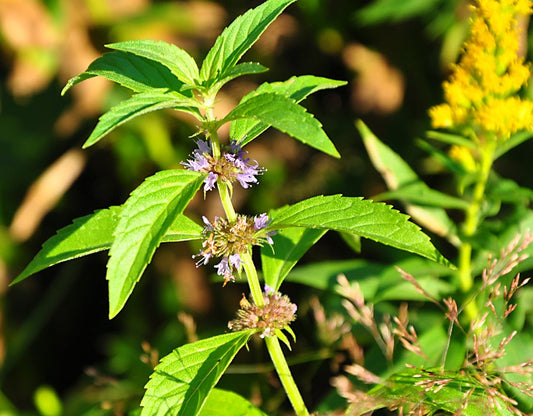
[(180, 63), (183, 379), (131, 71), (238, 37), (376, 221), (227, 403), (144, 220), (93, 233), (135, 106), (296, 88), (397, 174), (289, 246), (286, 115)]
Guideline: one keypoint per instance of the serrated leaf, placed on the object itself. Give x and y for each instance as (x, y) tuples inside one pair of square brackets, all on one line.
[(373, 220), (227, 403), (144, 220), (397, 173), (289, 246), (131, 71), (183, 379), (94, 233), (180, 63), (246, 68), (287, 116), (296, 88), (135, 106), (238, 37)]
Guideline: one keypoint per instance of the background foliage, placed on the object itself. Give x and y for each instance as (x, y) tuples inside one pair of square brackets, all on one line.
[(57, 347)]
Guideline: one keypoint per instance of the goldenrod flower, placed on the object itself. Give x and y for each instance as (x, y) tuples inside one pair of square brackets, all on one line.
[(481, 91)]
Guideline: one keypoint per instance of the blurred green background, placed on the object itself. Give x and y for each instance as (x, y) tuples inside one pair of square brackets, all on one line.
[(59, 354)]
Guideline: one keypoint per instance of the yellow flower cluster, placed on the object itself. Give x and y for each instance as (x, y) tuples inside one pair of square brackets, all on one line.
[(481, 91)]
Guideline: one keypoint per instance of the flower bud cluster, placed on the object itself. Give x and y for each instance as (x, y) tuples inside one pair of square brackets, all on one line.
[(277, 313), (230, 240), (231, 166)]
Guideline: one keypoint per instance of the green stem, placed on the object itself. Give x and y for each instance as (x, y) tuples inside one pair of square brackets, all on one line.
[(285, 376), (272, 343), (253, 279), (471, 224), (225, 198)]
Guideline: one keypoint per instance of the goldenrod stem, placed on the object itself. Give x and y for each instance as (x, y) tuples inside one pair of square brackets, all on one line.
[(471, 224)]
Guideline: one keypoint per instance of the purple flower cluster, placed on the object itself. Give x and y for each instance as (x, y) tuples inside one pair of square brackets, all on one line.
[(232, 166), (230, 240)]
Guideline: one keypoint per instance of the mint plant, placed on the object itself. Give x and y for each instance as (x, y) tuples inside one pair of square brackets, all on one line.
[(163, 76)]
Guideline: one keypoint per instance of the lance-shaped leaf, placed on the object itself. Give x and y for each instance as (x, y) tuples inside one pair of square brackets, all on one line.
[(246, 68), (287, 116), (227, 403), (238, 37), (183, 379), (373, 220), (398, 174), (93, 233), (144, 220), (135, 106), (289, 246), (180, 63), (296, 88), (134, 72)]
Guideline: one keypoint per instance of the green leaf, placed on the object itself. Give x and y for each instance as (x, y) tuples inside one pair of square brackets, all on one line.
[(238, 37), (144, 220), (245, 68), (135, 106), (183, 379), (227, 403), (180, 63), (296, 88), (287, 116), (419, 193), (512, 142), (352, 240), (376, 221), (93, 233), (283, 338), (289, 246), (380, 11), (397, 173), (377, 281), (134, 72), (449, 138)]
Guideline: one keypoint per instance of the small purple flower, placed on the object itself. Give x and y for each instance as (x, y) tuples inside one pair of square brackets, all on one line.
[(235, 261), (210, 181), (268, 290), (223, 268), (261, 221), (228, 240), (230, 167)]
